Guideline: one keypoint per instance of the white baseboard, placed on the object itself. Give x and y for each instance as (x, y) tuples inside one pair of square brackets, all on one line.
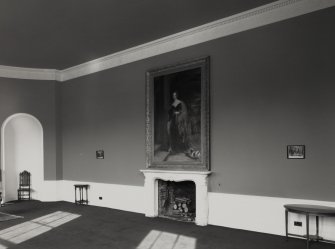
[(264, 214), (246, 212), (47, 191), (122, 197)]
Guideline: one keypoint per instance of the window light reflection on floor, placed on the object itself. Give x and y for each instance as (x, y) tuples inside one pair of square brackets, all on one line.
[(164, 240), (30, 229)]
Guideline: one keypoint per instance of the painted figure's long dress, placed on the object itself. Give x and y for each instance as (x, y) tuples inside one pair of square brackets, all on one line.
[(179, 130)]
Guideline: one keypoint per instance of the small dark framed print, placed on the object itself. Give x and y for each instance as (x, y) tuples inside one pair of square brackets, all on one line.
[(296, 151), (100, 154)]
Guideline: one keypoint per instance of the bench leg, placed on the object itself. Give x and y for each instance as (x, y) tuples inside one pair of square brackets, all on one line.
[(317, 227), (307, 230), (286, 224)]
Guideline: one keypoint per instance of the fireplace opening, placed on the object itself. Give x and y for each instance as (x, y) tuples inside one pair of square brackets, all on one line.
[(176, 200)]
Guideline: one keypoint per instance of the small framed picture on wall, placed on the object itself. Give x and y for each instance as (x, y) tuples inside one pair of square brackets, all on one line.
[(296, 151), (100, 154)]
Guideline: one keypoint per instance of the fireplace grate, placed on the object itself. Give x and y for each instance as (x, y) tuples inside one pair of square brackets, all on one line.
[(176, 200)]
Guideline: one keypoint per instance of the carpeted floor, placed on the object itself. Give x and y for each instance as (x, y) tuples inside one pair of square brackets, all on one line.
[(92, 227), (5, 217)]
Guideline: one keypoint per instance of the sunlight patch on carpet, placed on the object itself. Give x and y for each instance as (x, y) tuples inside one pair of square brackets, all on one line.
[(4, 216), (164, 240), (30, 229)]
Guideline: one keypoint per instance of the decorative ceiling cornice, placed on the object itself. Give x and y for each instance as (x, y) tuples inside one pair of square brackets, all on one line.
[(257, 17), (28, 73)]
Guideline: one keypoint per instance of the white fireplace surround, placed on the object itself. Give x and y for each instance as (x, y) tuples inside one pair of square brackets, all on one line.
[(200, 178)]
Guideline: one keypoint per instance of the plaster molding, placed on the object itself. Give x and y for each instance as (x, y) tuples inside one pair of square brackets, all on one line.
[(28, 73), (266, 14), (257, 17)]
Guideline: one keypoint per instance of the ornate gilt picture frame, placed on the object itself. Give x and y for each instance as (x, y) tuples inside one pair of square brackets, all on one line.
[(177, 116)]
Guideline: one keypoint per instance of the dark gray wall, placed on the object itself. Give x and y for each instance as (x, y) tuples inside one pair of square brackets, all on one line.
[(270, 87), (37, 98)]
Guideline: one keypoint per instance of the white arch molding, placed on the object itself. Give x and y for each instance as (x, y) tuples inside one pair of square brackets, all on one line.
[(21, 149)]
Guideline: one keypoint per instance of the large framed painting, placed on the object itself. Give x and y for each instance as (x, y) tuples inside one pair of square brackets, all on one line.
[(177, 116)]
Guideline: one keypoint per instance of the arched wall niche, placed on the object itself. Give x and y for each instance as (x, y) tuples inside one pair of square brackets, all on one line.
[(21, 149)]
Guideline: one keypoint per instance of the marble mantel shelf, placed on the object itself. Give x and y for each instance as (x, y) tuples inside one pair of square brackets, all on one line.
[(176, 171)]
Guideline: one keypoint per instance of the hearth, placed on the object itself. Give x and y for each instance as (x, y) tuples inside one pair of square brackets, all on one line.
[(197, 204), (176, 200)]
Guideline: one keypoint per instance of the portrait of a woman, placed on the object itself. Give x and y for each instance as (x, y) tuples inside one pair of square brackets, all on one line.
[(176, 116), (178, 126)]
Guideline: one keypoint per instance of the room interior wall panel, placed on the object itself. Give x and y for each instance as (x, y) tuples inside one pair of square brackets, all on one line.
[(270, 87)]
